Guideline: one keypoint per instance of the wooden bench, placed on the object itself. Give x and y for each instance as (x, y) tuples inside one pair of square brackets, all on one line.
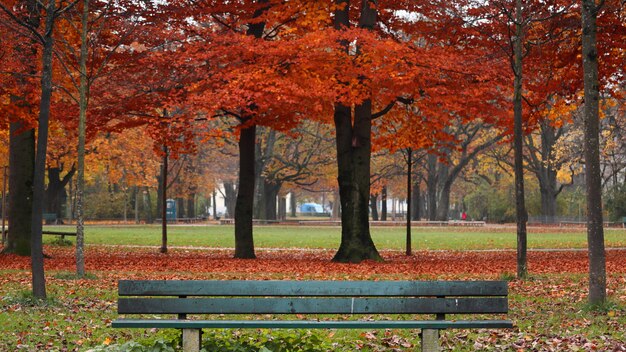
[(260, 298), (58, 233)]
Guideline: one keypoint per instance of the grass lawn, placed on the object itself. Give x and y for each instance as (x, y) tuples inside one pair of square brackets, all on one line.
[(549, 309), (446, 238)]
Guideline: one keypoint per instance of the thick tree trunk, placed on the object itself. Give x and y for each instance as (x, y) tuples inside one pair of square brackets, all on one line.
[(56, 196), (595, 230), (353, 160), (21, 172), (244, 244), (520, 205)]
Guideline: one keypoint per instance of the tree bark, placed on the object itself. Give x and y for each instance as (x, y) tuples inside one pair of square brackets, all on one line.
[(416, 213), (374, 206), (22, 154), (409, 198), (230, 199), (383, 204), (431, 186), (354, 151), (56, 195), (82, 119), (164, 170), (244, 243), (353, 158), (191, 206), (37, 264), (595, 230), (520, 205), (21, 172), (270, 196), (293, 204)]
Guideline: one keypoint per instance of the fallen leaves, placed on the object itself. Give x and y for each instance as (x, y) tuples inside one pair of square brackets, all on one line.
[(306, 264)]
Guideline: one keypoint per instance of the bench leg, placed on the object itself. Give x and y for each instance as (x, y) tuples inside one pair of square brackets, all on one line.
[(430, 340), (191, 340)]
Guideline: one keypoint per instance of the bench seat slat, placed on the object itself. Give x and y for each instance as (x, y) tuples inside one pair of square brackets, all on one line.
[(310, 288), (310, 324), (311, 305)]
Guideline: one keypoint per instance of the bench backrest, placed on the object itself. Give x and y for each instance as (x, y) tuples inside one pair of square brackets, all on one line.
[(312, 297)]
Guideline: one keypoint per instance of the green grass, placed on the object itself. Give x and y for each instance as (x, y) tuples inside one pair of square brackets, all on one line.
[(549, 311), (329, 237)]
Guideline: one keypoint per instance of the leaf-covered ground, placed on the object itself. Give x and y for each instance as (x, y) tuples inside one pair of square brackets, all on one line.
[(548, 309)]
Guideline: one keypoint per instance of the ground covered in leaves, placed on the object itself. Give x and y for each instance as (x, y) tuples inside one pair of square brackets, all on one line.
[(549, 309)]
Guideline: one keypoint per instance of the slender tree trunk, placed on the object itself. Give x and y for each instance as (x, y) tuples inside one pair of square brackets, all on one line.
[(431, 186), (21, 172), (244, 243), (270, 196), (37, 264), (230, 199), (293, 204), (595, 230), (443, 206), (191, 206), (214, 205), (520, 206), (374, 206), (416, 200), (409, 165), (82, 119), (164, 171), (383, 204)]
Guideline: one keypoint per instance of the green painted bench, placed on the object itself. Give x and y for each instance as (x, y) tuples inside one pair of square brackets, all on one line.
[(262, 298)]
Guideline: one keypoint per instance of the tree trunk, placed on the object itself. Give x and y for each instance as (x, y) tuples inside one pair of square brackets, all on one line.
[(21, 171), (431, 187), (82, 120), (214, 205), (164, 170), (230, 199), (595, 230), (409, 198), (270, 197), (443, 206), (416, 201), (293, 204), (181, 212), (374, 206), (520, 205), (244, 244), (383, 204), (56, 195), (37, 264), (191, 206), (353, 160)]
